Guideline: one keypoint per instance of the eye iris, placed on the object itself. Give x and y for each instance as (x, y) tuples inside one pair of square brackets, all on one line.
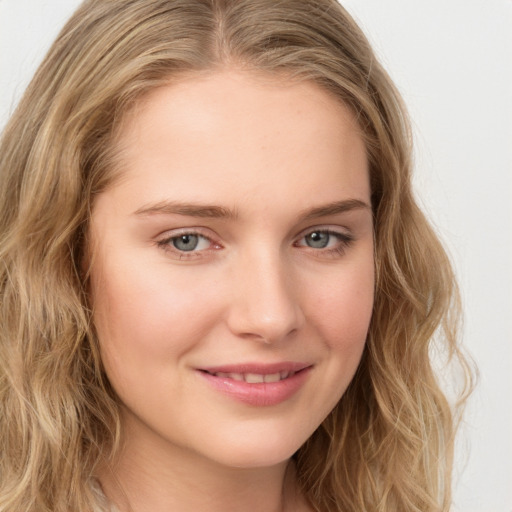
[(186, 242), (317, 239)]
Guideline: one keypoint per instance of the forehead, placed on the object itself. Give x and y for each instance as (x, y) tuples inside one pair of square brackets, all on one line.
[(249, 133)]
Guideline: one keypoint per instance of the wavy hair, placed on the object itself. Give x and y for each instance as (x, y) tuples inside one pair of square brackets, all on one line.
[(388, 444)]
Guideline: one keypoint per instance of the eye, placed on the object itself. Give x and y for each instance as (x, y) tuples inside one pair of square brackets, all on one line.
[(190, 242), (325, 240), (187, 244), (318, 239)]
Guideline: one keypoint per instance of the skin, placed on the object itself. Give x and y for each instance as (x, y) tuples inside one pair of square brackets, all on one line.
[(267, 153)]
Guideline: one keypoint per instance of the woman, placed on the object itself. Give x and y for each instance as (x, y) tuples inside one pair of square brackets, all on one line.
[(218, 292)]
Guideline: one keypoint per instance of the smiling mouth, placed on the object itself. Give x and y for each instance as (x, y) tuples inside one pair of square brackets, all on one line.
[(256, 384), (254, 378)]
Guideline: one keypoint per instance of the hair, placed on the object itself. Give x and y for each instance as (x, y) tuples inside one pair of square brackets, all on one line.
[(388, 444)]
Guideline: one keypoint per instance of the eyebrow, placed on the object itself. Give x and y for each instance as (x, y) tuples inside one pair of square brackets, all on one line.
[(188, 209), (335, 208), (220, 212)]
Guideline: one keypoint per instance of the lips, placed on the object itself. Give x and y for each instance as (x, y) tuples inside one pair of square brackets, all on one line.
[(258, 384), (255, 378)]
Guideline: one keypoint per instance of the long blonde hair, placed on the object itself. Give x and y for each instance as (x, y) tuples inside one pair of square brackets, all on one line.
[(388, 444)]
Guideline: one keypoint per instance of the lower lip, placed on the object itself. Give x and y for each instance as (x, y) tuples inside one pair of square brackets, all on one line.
[(258, 394)]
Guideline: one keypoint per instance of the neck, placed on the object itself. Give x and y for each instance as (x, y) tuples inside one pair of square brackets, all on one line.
[(154, 476)]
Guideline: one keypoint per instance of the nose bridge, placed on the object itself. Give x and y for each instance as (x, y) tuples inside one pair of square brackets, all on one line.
[(265, 305)]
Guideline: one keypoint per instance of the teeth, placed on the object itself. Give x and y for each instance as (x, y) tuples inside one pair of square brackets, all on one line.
[(255, 378)]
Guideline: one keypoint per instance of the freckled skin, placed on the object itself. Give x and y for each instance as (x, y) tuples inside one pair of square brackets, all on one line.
[(254, 289)]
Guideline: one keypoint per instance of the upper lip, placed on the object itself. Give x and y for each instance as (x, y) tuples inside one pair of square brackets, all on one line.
[(258, 368)]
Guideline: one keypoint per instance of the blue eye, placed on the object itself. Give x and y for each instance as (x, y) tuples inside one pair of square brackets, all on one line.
[(186, 242), (318, 239), (326, 241)]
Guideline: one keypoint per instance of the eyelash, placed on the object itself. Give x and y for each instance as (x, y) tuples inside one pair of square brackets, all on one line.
[(344, 241), (167, 244)]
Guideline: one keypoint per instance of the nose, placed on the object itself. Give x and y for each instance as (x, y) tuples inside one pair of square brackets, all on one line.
[(265, 304)]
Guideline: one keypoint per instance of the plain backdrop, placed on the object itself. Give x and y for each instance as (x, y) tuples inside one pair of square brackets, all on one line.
[(452, 61)]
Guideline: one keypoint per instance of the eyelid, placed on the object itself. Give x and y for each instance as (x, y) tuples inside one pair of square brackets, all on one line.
[(344, 236), (332, 230), (164, 241)]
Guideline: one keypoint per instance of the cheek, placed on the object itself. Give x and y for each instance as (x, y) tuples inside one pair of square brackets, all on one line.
[(339, 313), (142, 316), (342, 310)]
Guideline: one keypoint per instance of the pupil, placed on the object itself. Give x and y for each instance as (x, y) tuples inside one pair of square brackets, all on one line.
[(186, 242), (318, 240)]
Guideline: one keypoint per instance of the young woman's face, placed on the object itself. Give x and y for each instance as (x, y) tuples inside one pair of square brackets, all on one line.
[(232, 271)]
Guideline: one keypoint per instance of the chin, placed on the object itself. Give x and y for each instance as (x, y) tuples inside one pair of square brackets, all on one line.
[(261, 451), (255, 459)]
